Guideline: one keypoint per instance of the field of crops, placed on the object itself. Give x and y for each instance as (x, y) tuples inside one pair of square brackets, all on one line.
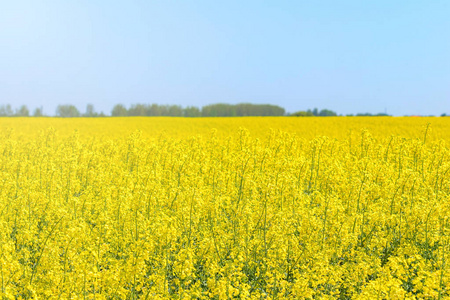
[(220, 208)]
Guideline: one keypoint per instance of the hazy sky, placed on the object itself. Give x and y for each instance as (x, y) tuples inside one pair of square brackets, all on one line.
[(349, 56)]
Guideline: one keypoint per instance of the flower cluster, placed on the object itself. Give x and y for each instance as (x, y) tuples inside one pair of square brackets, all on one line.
[(265, 215)]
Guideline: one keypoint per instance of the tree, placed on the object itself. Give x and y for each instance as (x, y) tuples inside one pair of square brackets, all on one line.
[(137, 110), (327, 113), (192, 112), (241, 109), (119, 111), (23, 111), (67, 111), (175, 111), (90, 112), (163, 110), (302, 113), (372, 115), (6, 111), (38, 112), (153, 110), (315, 112), (219, 110)]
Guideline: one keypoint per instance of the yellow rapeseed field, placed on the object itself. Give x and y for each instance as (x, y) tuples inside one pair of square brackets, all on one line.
[(220, 208)]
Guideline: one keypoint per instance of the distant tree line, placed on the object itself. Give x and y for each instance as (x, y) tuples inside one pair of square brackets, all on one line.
[(70, 111), (369, 115), (329, 113), (22, 111), (315, 113), (154, 110), (119, 110), (212, 110)]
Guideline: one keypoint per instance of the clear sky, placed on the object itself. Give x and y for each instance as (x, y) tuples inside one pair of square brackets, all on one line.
[(349, 56)]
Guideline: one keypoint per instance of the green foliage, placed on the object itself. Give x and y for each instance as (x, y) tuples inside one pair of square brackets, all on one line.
[(67, 111), (241, 110), (119, 111), (315, 113), (90, 112), (372, 115), (6, 111), (247, 109), (153, 110), (23, 111), (302, 113), (213, 110), (38, 112), (192, 111), (219, 110), (327, 113)]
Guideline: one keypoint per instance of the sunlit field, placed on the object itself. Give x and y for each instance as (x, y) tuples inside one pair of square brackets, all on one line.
[(259, 127), (220, 208)]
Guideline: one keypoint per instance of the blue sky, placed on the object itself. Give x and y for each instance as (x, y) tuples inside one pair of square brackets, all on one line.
[(349, 56)]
